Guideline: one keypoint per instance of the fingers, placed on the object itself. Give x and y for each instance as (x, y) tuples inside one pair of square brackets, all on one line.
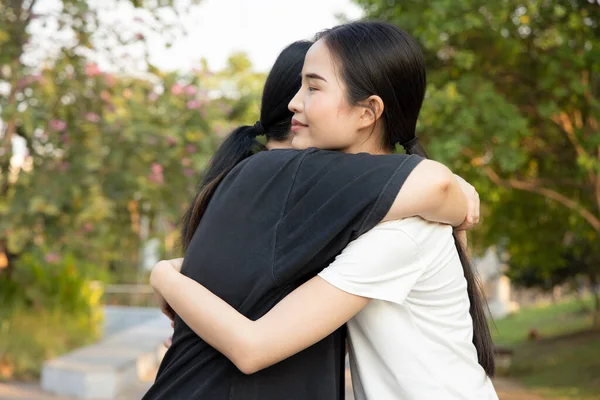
[(473, 210), (168, 311), (176, 263)]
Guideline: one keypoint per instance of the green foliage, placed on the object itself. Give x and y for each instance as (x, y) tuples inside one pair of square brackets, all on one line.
[(112, 158), (29, 337), (513, 106), (43, 280)]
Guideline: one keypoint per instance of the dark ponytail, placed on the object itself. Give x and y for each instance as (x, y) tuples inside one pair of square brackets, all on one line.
[(275, 119), (376, 58), (239, 145), (482, 338)]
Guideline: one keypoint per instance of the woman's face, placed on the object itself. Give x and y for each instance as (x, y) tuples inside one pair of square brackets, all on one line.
[(322, 116)]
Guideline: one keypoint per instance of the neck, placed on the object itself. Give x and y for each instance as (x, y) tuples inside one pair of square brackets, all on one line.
[(279, 144), (371, 145)]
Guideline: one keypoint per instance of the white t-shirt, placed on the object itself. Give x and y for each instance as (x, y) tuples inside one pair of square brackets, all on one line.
[(413, 341)]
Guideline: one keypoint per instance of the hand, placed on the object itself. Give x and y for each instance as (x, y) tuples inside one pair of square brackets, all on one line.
[(157, 277), (175, 263), (473, 205), (168, 342)]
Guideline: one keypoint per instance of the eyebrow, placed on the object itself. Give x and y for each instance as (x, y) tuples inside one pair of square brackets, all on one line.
[(314, 76)]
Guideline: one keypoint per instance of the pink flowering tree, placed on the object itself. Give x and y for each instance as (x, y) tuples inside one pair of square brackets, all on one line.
[(94, 162)]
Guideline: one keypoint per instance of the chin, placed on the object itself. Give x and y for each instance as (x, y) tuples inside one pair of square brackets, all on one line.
[(301, 143)]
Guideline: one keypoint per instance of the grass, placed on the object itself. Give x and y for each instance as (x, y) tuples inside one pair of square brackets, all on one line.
[(29, 337), (564, 362), (550, 320)]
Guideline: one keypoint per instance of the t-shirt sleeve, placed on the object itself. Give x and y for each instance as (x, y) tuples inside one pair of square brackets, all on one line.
[(382, 264), (335, 198)]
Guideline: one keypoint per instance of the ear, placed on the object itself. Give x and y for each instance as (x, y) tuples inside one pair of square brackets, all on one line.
[(372, 111)]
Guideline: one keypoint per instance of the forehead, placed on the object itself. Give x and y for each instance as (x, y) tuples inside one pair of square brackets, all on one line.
[(318, 60)]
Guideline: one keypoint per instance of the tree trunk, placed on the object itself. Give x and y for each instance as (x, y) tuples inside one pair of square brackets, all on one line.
[(596, 294)]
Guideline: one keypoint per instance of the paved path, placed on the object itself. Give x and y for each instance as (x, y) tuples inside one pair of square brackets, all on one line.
[(510, 390), (121, 318), (118, 319), (32, 391), (507, 390)]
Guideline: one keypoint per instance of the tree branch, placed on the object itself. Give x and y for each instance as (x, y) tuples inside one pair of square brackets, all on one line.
[(549, 193), (30, 11), (564, 122), (598, 183)]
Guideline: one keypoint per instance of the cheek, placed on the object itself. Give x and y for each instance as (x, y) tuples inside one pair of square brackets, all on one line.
[(329, 126), (321, 112)]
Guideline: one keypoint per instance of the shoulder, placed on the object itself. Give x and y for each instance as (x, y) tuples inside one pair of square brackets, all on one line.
[(384, 245), (422, 232)]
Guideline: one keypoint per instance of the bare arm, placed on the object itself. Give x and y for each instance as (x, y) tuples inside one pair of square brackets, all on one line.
[(308, 314), (432, 192)]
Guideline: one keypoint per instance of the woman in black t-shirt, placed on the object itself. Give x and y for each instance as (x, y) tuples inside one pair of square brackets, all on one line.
[(261, 226)]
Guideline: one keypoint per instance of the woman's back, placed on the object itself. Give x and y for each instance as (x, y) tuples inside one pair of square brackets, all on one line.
[(274, 221), (414, 340)]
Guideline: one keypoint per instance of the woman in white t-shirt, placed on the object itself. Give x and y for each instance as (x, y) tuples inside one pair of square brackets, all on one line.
[(416, 323)]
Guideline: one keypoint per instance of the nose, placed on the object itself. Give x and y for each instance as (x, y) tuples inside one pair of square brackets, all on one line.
[(295, 104)]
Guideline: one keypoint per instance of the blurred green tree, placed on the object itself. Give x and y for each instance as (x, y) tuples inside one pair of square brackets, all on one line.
[(513, 104), (110, 158)]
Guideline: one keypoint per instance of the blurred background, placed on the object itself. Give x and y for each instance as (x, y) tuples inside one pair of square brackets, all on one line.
[(110, 110)]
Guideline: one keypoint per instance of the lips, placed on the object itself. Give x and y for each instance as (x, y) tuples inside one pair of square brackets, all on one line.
[(297, 125)]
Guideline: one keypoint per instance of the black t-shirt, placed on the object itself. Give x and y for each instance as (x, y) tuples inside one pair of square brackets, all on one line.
[(275, 221)]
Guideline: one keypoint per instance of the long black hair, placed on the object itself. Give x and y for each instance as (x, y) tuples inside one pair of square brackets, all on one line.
[(377, 58), (281, 86)]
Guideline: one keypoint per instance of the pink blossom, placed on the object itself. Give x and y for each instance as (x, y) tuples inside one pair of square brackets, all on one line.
[(139, 36), (92, 117), (190, 148), (189, 172), (153, 97), (190, 90), (88, 227), (26, 81), (160, 179), (194, 104), (186, 162), (156, 173), (203, 113), (157, 168), (105, 95), (110, 80), (177, 89), (138, 19), (52, 258), (92, 69), (171, 141), (65, 138), (57, 125), (64, 166)]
